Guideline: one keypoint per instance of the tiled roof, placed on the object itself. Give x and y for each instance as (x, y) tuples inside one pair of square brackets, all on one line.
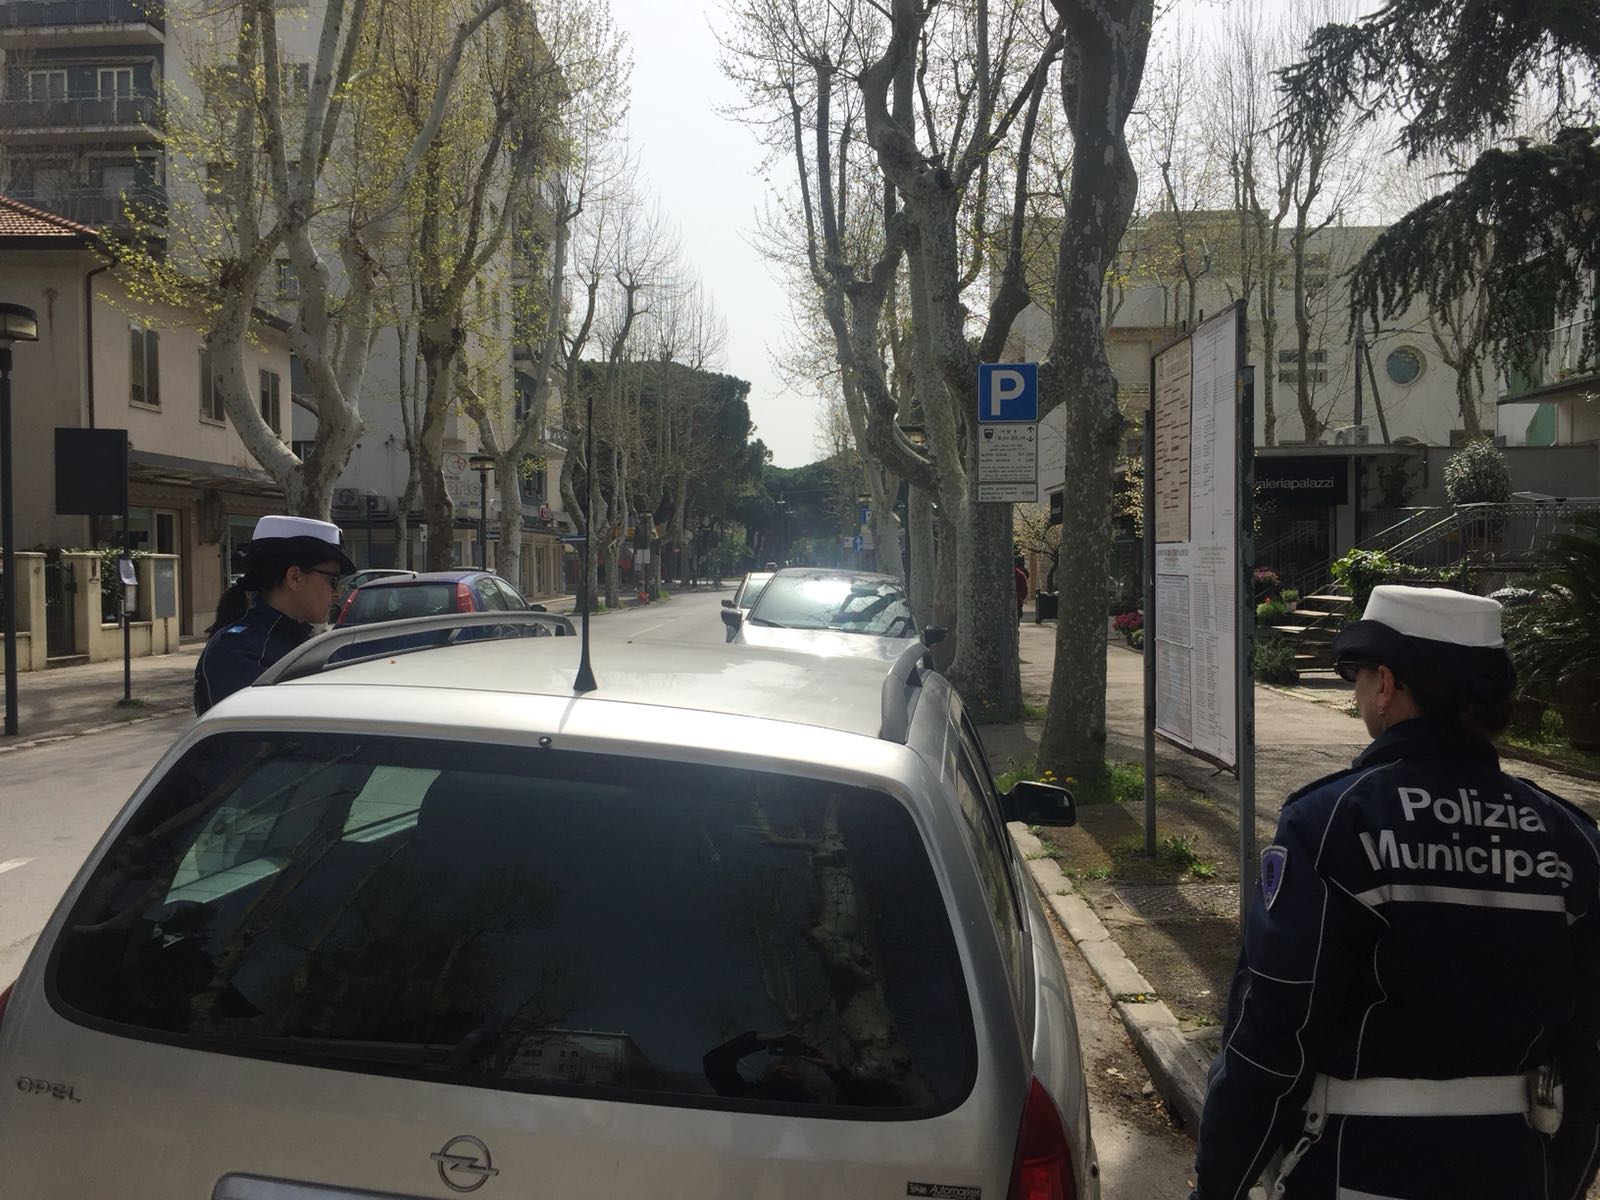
[(22, 220)]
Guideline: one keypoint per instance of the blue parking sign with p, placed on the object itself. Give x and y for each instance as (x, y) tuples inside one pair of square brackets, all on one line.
[(1008, 392)]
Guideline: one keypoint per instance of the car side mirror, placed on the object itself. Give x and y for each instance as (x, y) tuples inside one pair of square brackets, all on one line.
[(727, 604), (537, 608), (1035, 803), (933, 635), (731, 618)]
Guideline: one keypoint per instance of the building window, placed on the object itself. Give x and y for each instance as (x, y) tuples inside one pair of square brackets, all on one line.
[(1404, 365), (1290, 357), (115, 83), (47, 85), (285, 281), (144, 366), (210, 394), (272, 401), (1313, 375)]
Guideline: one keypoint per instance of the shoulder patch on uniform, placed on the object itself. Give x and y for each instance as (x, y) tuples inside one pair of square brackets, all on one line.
[(236, 629), (1274, 862)]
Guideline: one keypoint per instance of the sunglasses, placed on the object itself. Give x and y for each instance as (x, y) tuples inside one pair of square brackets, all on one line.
[(332, 577), (1348, 669)]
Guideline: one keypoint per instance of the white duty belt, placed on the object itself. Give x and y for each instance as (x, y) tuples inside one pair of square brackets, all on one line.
[(1535, 1095)]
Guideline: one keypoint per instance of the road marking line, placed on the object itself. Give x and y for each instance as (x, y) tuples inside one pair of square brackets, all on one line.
[(11, 864), (648, 628)]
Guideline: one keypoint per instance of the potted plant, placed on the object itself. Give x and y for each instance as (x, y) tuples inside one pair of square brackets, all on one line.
[(1555, 642), (1126, 624), (1267, 583), (1290, 598), (1272, 611)]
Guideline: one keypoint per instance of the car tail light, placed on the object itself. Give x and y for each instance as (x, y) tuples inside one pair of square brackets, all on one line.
[(344, 609), (463, 598), (1043, 1167)]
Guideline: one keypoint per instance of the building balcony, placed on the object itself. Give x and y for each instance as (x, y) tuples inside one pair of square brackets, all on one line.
[(28, 24), (115, 119), (103, 208)]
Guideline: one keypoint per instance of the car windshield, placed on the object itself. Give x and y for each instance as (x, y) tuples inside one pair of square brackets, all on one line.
[(529, 919), (844, 603), (397, 601)]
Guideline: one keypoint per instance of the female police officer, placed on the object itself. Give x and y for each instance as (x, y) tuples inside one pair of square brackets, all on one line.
[(1419, 984), (291, 570)]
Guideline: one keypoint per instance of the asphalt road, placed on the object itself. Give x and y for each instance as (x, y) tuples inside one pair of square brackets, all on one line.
[(57, 799)]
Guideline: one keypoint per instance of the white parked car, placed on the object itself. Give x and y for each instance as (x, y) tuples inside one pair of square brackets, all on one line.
[(735, 923), (825, 611)]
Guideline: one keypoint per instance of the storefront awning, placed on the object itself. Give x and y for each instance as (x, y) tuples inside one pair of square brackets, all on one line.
[(169, 470)]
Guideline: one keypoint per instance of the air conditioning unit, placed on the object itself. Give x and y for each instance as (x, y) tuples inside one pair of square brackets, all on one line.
[(379, 506), (1353, 435), (346, 498)]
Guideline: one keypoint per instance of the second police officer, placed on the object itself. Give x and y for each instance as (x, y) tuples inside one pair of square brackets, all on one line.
[(291, 570), (1417, 1002)]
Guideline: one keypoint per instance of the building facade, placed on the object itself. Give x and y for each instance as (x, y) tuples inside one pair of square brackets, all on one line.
[(104, 361), (85, 87)]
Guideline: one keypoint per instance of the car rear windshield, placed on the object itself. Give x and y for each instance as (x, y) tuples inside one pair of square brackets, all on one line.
[(834, 602), (527, 919), (397, 601)]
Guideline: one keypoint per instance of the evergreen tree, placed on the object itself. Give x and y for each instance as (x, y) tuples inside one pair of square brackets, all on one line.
[(1522, 221)]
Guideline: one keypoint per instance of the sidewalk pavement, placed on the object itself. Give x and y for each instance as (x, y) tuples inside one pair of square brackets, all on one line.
[(1135, 924)]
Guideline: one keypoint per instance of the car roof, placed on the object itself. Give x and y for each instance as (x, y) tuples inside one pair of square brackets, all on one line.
[(425, 577), (834, 573), (844, 694)]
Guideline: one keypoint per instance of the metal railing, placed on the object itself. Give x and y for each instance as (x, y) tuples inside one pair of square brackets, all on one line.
[(1513, 536), (102, 206), (19, 116), (29, 14)]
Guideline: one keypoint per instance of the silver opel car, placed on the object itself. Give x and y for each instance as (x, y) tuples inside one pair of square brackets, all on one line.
[(734, 923)]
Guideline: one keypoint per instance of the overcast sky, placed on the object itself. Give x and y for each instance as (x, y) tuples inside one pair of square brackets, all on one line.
[(704, 168)]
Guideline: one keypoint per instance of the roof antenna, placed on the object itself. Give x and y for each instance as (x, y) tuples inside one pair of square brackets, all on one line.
[(585, 680)]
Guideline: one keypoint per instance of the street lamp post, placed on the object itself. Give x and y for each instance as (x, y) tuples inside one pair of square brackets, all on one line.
[(17, 324), (482, 464), (783, 531)]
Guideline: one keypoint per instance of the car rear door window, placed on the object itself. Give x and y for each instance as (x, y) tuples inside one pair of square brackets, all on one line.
[(533, 920), (965, 769)]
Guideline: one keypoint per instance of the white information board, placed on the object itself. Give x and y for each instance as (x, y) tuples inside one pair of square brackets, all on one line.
[(1008, 463), (1196, 473)]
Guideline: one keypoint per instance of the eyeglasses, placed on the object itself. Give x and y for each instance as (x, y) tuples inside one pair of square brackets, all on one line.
[(1347, 671), (331, 576)]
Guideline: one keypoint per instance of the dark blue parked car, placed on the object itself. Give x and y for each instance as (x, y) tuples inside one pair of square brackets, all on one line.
[(430, 594)]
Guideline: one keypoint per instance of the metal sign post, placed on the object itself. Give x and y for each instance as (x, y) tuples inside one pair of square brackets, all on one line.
[(1149, 531), (1246, 692)]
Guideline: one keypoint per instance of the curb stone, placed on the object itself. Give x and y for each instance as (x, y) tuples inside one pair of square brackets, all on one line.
[(1179, 1073), (48, 739)]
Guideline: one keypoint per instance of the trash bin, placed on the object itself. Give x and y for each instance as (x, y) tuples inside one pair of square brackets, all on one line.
[(1044, 606)]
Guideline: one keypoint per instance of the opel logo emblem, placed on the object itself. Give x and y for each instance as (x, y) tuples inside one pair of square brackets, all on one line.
[(464, 1164)]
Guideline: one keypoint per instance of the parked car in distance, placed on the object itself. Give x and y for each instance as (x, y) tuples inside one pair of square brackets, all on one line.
[(745, 595), (825, 611), (735, 922), (360, 579), (429, 594)]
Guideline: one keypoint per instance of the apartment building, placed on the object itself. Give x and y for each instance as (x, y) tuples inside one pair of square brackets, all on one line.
[(84, 90)]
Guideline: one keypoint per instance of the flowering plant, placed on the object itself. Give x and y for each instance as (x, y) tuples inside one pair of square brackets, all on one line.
[(1128, 622)]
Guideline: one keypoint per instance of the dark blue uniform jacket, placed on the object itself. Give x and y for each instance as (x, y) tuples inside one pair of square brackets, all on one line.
[(237, 654), (1434, 919)]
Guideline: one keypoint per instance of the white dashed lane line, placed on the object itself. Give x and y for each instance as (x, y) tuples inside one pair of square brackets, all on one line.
[(11, 864)]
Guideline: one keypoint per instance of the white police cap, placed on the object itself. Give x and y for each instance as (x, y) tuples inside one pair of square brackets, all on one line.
[(276, 536), (1439, 614)]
